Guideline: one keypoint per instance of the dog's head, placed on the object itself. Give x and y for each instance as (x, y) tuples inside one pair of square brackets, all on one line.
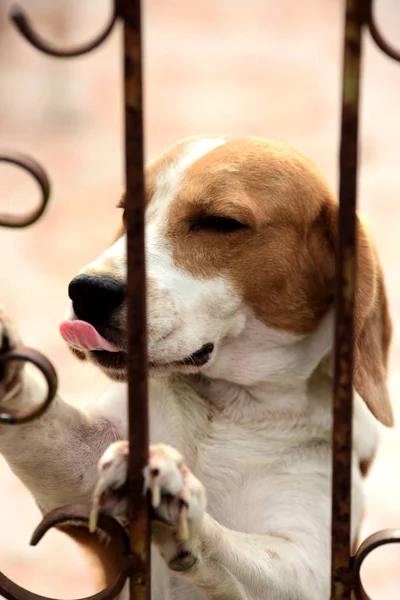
[(240, 250)]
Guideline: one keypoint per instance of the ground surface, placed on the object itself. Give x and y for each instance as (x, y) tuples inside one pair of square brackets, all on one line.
[(258, 67)]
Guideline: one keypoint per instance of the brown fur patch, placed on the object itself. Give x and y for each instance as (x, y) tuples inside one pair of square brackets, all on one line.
[(273, 263)]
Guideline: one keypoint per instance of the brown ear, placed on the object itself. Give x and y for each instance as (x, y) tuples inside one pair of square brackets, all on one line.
[(372, 323)]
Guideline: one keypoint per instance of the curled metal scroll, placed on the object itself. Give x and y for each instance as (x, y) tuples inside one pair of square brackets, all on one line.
[(23, 24), (117, 539), (31, 166), (13, 416), (10, 415), (377, 35), (381, 538)]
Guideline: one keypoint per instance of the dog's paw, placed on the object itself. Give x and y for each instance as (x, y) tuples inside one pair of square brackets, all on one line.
[(10, 370), (110, 494), (178, 499)]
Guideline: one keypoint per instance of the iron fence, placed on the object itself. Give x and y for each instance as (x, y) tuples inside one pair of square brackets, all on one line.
[(134, 550)]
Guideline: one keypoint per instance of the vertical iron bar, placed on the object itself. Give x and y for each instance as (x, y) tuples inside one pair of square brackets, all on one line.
[(345, 292), (130, 11)]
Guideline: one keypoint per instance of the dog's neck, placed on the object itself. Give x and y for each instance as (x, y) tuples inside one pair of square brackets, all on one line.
[(265, 373)]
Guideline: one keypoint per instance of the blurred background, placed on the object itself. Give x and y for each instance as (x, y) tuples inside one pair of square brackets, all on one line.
[(254, 67)]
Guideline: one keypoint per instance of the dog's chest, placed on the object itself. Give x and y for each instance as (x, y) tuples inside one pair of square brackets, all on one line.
[(239, 469), (178, 416), (233, 461)]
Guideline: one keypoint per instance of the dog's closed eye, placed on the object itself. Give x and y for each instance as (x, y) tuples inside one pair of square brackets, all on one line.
[(217, 224)]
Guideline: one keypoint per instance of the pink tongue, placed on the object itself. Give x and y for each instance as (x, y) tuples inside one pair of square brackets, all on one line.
[(83, 335)]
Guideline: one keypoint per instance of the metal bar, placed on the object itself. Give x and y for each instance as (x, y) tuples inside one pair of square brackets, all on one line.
[(342, 582), (136, 563), (130, 11)]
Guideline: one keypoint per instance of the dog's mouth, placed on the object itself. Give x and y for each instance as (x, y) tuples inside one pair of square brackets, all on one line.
[(84, 337), (196, 359)]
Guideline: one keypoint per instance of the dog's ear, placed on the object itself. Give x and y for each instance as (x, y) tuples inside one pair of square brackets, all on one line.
[(372, 323)]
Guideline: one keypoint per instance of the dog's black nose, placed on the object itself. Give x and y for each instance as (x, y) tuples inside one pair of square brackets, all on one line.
[(95, 298)]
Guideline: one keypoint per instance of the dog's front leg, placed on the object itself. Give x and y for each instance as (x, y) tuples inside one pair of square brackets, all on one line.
[(220, 563), (56, 455)]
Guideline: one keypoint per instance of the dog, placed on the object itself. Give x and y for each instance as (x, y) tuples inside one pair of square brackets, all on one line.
[(241, 237)]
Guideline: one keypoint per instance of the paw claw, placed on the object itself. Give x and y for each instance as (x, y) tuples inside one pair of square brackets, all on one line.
[(155, 494), (96, 504), (183, 525), (93, 519), (177, 496)]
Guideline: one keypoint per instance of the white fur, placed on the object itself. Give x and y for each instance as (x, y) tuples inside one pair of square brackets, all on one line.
[(254, 427)]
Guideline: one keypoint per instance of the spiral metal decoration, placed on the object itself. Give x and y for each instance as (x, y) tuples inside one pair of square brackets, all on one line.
[(37, 172), (24, 26), (24, 354)]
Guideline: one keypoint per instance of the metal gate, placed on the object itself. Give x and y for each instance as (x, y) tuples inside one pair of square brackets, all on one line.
[(134, 550)]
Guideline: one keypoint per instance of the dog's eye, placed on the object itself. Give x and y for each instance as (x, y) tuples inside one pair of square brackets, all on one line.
[(218, 224)]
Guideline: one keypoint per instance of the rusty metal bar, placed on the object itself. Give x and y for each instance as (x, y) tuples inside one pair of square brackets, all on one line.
[(130, 12), (345, 570), (345, 291), (387, 536), (134, 556)]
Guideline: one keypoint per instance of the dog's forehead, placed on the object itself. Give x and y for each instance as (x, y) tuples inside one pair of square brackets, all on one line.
[(165, 174), (273, 180)]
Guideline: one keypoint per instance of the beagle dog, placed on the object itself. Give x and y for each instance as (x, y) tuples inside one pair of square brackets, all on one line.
[(240, 250)]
